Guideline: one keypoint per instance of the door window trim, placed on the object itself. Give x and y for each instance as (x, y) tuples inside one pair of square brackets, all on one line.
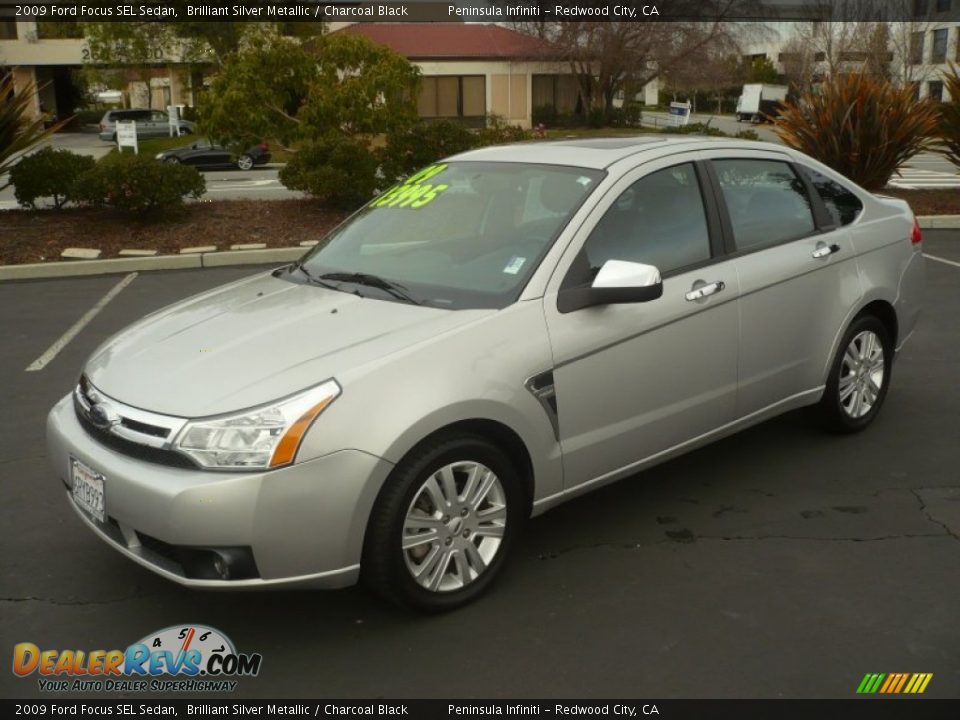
[(711, 213), (818, 211)]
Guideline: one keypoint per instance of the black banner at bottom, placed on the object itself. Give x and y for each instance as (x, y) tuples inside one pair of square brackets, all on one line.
[(866, 708)]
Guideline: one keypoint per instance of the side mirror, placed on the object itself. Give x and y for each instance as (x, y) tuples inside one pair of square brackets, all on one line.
[(617, 282)]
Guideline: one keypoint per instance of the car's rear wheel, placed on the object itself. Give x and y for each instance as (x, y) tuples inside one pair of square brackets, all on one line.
[(443, 524), (185, 131), (172, 160), (859, 377), (245, 162)]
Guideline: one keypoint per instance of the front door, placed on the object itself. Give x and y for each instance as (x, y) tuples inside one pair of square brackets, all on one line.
[(635, 380)]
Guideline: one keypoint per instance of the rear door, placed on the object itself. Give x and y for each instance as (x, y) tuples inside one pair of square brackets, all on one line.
[(797, 271), (635, 380)]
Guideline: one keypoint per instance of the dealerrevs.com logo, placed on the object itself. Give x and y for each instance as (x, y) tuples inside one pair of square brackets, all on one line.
[(184, 658)]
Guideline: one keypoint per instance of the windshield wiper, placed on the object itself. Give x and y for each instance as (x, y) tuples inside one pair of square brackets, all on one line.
[(312, 279), (375, 281)]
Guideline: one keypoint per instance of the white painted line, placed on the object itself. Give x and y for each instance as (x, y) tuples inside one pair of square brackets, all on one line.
[(41, 362), (942, 260)]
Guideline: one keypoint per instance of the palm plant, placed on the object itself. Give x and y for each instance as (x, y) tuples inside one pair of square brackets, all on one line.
[(950, 117), (861, 127), (17, 133)]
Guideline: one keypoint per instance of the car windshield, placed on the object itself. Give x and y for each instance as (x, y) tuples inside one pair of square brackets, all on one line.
[(454, 235)]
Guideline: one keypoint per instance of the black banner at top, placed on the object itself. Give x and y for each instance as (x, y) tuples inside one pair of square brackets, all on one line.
[(481, 10)]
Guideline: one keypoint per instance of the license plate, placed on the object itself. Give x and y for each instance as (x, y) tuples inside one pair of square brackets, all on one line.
[(88, 489)]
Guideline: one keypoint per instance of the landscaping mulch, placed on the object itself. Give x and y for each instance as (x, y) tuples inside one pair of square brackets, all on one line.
[(929, 202), (32, 236)]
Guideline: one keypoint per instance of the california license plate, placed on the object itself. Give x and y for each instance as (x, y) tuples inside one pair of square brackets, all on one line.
[(88, 489)]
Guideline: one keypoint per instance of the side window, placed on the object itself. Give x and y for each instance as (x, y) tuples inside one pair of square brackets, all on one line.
[(659, 220), (158, 117), (767, 202), (843, 205)]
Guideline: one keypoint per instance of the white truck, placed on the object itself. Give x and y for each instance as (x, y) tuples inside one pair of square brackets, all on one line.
[(758, 100)]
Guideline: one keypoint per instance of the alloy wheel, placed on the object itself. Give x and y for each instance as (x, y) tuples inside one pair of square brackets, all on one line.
[(454, 526), (861, 374)]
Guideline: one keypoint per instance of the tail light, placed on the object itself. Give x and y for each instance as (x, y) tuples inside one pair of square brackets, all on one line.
[(263, 146), (915, 237)]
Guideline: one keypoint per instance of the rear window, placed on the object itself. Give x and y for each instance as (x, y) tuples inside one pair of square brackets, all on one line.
[(843, 205)]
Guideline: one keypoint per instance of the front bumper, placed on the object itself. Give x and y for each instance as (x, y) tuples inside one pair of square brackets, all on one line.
[(304, 523)]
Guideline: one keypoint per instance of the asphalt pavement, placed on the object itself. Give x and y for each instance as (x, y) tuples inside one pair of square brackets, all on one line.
[(780, 562)]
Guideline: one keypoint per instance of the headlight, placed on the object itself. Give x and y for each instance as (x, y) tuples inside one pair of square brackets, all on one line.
[(263, 437), (158, 156)]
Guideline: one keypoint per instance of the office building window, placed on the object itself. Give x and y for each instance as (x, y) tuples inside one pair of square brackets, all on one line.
[(939, 54), (453, 96), (935, 90), (916, 48), (8, 30)]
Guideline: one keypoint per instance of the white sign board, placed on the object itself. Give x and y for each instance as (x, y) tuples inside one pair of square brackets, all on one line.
[(127, 135), (173, 120), (679, 114)]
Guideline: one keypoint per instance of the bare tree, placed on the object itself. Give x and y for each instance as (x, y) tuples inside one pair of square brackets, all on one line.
[(608, 57)]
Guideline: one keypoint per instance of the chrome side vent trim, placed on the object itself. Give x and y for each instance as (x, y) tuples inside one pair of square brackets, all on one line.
[(542, 388)]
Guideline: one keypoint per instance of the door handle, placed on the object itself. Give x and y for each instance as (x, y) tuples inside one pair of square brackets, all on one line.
[(705, 290), (823, 250)]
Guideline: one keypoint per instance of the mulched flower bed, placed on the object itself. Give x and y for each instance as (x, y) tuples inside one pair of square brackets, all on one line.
[(31, 236)]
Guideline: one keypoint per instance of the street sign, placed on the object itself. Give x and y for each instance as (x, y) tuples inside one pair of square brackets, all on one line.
[(127, 135), (173, 120), (679, 114)]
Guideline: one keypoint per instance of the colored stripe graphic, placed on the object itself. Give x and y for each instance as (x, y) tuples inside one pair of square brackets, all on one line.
[(894, 683)]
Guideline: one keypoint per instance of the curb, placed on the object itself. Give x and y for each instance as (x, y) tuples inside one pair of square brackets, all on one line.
[(79, 268), (938, 222), (228, 258)]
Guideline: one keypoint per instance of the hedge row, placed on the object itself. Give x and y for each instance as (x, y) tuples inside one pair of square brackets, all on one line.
[(133, 183)]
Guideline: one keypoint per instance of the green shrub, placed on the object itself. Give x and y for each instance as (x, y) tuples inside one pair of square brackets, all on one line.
[(340, 171), (422, 145), (138, 183), (861, 127), (545, 115), (696, 128), (48, 173), (597, 117), (626, 116), (747, 135), (498, 132)]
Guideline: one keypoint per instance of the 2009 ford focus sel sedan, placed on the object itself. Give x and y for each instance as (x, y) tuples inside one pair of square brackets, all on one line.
[(504, 330)]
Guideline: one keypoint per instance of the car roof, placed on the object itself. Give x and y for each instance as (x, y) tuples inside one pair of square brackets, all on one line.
[(601, 152)]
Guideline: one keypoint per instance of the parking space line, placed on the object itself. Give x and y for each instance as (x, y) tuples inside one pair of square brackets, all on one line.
[(942, 260), (41, 362)]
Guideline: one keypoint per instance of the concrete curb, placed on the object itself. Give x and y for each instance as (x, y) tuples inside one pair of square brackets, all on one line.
[(78, 268), (229, 258), (938, 222)]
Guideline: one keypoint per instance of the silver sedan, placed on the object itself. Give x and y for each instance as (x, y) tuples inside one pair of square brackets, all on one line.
[(503, 331)]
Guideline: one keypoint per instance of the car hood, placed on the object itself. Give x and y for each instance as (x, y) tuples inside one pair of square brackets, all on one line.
[(255, 341)]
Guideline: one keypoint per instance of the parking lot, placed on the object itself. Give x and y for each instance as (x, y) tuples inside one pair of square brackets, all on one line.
[(780, 562)]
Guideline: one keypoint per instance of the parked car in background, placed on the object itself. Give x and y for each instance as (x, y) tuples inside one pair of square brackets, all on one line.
[(150, 123), (503, 331), (205, 155)]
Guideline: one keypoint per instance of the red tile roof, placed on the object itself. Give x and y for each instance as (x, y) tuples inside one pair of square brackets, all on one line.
[(442, 41)]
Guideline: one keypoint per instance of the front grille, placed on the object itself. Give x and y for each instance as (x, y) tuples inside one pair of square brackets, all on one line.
[(130, 448), (144, 428)]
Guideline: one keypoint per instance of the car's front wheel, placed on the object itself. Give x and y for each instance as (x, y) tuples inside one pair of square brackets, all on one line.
[(245, 162), (859, 377), (443, 524)]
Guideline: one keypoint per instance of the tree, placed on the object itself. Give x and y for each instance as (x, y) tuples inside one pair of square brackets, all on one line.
[(284, 90), (17, 133), (761, 70), (127, 49), (606, 57)]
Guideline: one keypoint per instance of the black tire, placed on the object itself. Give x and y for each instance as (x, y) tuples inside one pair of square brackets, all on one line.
[(384, 564), (831, 411)]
